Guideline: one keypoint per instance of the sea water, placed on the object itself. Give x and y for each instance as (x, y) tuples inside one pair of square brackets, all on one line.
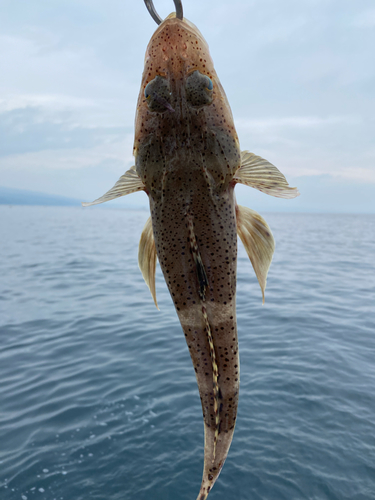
[(98, 397)]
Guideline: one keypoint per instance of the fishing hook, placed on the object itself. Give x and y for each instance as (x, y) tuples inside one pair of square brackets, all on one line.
[(155, 16)]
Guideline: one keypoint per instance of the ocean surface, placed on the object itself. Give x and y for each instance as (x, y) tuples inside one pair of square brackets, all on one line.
[(98, 397)]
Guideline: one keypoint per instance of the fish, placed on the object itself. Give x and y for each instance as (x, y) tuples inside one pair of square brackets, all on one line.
[(188, 161)]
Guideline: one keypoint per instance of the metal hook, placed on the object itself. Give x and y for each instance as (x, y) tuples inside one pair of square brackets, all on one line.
[(155, 16)]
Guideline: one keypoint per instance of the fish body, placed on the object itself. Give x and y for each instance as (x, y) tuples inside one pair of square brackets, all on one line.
[(188, 161)]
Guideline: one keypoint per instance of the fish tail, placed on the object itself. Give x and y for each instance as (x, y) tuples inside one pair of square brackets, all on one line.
[(215, 379)]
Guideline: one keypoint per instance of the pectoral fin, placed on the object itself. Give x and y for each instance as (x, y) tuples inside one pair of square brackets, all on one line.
[(260, 174), (257, 238), (147, 258), (127, 184)]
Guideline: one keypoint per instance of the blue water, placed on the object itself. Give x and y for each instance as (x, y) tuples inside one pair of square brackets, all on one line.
[(98, 398)]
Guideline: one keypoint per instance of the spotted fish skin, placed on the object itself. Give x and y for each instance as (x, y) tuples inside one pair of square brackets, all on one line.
[(186, 156), (188, 162)]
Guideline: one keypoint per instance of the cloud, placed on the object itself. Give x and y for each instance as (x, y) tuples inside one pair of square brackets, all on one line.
[(319, 194), (365, 19), (313, 145), (59, 158), (67, 80), (295, 122), (45, 102), (28, 130), (298, 76), (119, 150)]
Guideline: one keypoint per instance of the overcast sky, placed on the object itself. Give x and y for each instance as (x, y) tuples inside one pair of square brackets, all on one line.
[(299, 75)]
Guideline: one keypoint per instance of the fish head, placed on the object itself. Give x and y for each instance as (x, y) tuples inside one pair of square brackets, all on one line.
[(176, 50), (181, 103)]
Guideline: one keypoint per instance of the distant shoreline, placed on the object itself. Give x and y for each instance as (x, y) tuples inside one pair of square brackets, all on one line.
[(11, 196), (23, 197)]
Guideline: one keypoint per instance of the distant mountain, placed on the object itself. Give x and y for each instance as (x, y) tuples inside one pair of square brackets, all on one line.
[(10, 196)]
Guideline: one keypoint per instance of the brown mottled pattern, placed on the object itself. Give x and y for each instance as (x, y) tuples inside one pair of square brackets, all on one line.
[(186, 159)]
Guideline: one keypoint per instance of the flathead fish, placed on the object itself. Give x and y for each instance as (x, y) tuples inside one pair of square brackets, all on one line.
[(188, 161)]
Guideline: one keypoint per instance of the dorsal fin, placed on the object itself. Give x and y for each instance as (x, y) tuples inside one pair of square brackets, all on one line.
[(147, 258), (260, 174), (128, 183)]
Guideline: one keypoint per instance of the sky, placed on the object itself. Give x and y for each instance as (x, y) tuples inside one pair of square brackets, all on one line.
[(299, 75)]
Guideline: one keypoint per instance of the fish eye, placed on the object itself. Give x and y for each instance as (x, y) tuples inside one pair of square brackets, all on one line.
[(158, 95), (199, 89), (210, 85)]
